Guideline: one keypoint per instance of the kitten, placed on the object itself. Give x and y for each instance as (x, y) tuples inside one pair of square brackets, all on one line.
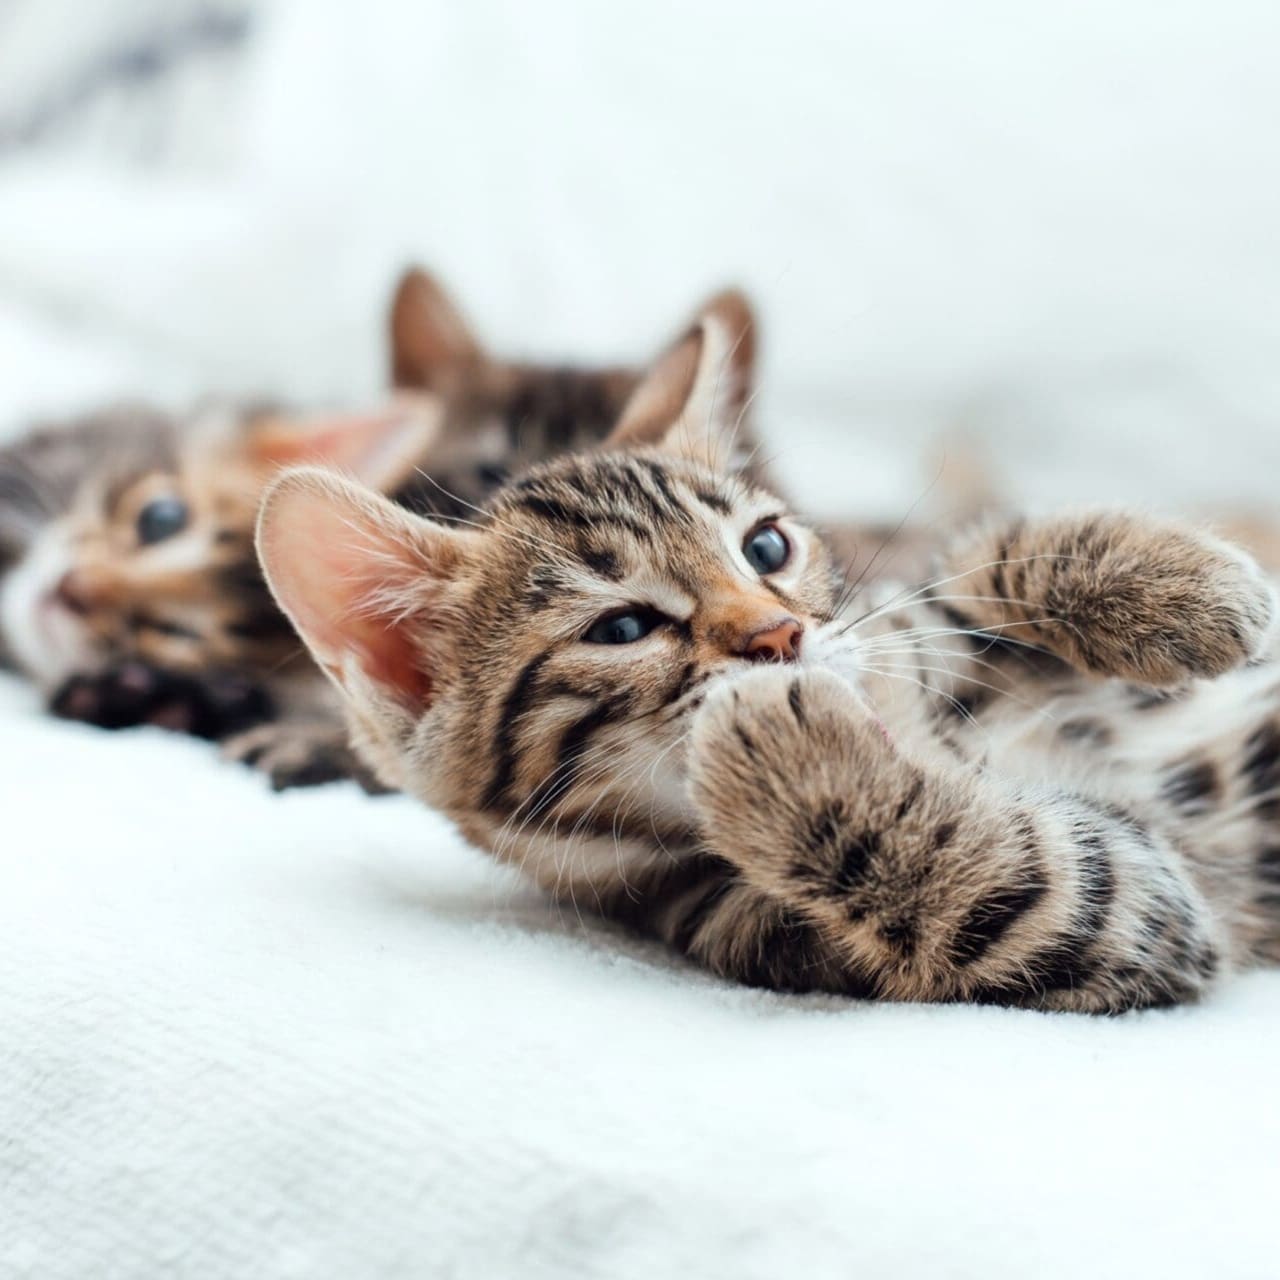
[(501, 416), (1050, 777), (129, 592)]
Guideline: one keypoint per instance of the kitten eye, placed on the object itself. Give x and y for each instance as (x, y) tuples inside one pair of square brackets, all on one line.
[(161, 518), (624, 627), (766, 549)]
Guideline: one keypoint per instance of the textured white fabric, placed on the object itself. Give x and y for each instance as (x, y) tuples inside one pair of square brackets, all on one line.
[(247, 1035), (253, 1036)]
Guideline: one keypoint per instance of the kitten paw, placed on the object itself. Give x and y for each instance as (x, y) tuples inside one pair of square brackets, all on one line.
[(1160, 605), (780, 749), (778, 704), (301, 755), (134, 693)]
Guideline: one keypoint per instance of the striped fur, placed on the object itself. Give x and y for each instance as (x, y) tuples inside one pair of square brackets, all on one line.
[(1048, 778), (184, 633)]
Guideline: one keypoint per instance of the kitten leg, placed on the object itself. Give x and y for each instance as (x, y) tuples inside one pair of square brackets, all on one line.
[(297, 753), (932, 882), (1112, 595), (704, 907)]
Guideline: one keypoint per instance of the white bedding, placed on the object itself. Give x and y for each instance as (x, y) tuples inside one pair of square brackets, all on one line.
[(314, 1035), (247, 1035)]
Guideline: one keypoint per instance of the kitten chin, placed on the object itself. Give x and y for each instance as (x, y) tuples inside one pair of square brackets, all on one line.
[(38, 634)]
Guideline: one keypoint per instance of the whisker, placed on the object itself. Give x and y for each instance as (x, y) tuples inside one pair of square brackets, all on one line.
[(490, 518), (981, 684), (852, 589), (908, 595)]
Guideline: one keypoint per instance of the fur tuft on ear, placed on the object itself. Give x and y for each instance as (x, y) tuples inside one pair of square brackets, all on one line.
[(694, 398), (380, 448), (432, 345), (363, 582)]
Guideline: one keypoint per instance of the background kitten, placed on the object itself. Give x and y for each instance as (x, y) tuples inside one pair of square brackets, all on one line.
[(128, 568)]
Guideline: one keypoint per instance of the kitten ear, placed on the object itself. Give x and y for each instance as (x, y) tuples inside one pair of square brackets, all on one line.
[(380, 448), (362, 581), (692, 401), (431, 343)]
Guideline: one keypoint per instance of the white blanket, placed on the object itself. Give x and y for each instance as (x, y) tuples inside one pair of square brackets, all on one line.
[(314, 1035)]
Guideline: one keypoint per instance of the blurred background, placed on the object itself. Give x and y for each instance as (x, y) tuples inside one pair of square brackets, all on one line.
[(1055, 229)]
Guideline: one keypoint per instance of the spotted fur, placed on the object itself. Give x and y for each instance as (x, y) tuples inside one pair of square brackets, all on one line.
[(947, 793)]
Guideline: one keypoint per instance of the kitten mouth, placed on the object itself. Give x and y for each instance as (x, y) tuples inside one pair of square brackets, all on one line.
[(831, 648), (61, 628), (41, 635)]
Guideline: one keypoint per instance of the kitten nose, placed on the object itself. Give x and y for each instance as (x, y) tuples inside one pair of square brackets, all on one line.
[(778, 642), (74, 591)]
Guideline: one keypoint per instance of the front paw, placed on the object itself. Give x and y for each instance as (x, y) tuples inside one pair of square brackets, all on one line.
[(301, 755), (134, 693), (1158, 604), (778, 750)]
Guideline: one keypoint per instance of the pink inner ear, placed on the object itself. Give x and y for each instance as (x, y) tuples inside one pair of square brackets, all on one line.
[(329, 562), (379, 447)]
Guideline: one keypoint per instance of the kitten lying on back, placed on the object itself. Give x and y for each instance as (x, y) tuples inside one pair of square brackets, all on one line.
[(128, 587), (1050, 777)]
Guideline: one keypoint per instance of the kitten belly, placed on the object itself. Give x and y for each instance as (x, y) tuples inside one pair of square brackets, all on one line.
[(1129, 743)]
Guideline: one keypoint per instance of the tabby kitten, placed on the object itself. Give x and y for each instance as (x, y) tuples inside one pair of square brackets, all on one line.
[(500, 416), (1048, 778), (129, 591)]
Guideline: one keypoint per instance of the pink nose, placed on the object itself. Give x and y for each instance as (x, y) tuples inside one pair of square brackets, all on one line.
[(73, 592), (779, 642)]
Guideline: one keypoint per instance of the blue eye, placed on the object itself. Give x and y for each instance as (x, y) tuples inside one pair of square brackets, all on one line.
[(624, 628), (766, 549), (161, 518)]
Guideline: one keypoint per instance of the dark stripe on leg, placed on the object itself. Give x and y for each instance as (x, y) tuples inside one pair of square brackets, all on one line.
[(1068, 962), (992, 918)]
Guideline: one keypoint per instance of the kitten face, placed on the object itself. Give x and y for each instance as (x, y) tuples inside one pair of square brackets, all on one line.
[(536, 676), (551, 662), (607, 593), (73, 499), (129, 535)]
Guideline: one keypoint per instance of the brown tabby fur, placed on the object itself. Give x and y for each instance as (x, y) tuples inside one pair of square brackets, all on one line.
[(183, 633), (1049, 777)]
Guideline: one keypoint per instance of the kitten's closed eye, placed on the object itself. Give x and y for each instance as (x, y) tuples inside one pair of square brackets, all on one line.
[(624, 626), (766, 549)]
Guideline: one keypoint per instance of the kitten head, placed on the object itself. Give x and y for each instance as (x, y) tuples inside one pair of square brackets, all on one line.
[(536, 674), (129, 534), (503, 416)]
